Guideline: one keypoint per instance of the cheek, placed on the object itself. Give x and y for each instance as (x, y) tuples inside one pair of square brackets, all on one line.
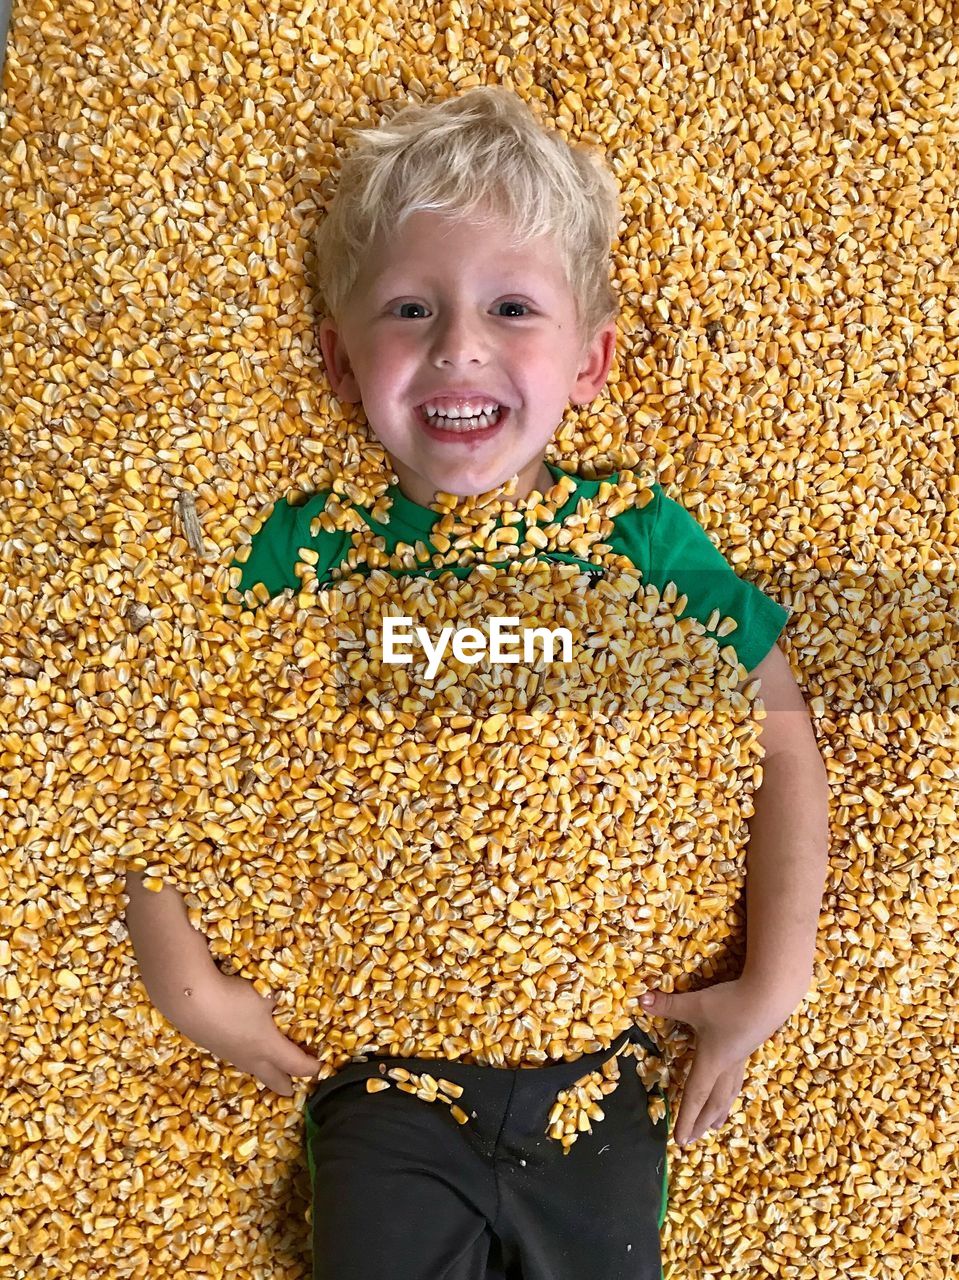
[(393, 358)]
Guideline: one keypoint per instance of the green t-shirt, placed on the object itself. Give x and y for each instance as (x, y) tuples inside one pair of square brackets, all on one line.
[(661, 540)]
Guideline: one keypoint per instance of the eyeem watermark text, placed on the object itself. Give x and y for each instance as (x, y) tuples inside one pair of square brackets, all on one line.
[(469, 643)]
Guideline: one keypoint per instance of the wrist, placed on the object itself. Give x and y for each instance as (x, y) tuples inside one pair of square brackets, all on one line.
[(772, 993)]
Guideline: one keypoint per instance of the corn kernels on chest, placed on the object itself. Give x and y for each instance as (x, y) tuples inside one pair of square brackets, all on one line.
[(490, 864)]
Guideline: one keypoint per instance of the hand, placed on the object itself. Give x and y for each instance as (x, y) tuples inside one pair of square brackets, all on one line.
[(731, 1020), (234, 1022)]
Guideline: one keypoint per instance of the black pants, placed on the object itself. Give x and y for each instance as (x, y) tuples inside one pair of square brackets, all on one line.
[(401, 1191)]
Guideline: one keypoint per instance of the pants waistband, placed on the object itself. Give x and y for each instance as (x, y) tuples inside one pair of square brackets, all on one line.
[(550, 1077)]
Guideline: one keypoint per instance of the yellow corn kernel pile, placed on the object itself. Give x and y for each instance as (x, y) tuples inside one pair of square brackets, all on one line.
[(787, 366), (491, 864)]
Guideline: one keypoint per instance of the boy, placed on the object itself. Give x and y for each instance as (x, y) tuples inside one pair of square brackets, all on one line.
[(498, 234)]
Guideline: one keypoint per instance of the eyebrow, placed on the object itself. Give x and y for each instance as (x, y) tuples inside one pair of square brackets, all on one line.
[(397, 275)]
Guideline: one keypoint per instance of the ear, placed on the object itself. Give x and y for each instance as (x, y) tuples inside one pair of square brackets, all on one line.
[(335, 357), (597, 359)]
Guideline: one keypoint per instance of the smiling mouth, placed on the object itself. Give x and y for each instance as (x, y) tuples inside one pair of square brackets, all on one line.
[(463, 422), (477, 424)]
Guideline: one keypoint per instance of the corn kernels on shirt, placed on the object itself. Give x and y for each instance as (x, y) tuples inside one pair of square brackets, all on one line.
[(661, 540)]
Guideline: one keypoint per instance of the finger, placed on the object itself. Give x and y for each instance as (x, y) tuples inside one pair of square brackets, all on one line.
[(695, 1098), (686, 1123), (728, 1086), (726, 1110), (275, 1079), (308, 1066), (712, 1111), (294, 1060), (714, 1121), (717, 1121), (287, 1054)]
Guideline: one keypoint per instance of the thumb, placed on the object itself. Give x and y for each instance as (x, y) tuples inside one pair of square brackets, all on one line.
[(669, 1004), (289, 1056), (296, 1060)]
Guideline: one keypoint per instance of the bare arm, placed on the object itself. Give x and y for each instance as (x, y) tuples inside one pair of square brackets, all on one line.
[(221, 1013), (788, 857), (174, 959)]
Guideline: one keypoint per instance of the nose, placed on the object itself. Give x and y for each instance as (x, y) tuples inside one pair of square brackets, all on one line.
[(459, 339)]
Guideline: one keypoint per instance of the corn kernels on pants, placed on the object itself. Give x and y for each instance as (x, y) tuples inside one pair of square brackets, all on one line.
[(403, 1191)]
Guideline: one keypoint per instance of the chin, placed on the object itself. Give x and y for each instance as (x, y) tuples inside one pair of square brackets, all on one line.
[(481, 486)]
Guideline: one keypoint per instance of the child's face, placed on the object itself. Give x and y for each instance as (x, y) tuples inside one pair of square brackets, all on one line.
[(429, 313)]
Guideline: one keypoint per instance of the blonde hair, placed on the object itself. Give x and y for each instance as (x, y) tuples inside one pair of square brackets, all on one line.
[(484, 155)]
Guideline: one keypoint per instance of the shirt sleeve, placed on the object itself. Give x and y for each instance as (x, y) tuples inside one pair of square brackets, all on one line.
[(680, 551), (274, 550)]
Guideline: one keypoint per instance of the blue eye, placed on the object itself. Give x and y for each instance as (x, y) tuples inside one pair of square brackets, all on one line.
[(508, 303)]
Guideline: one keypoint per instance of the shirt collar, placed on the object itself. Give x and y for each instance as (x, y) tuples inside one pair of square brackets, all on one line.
[(410, 514)]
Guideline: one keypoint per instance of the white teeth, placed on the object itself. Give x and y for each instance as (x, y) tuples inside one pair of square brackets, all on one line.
[(456, 413), (465, 422)]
